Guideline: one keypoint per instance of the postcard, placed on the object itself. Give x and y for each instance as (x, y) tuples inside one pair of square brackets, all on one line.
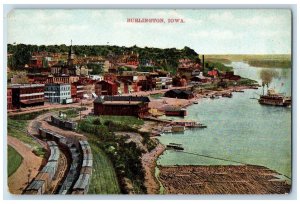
[(149, 101)]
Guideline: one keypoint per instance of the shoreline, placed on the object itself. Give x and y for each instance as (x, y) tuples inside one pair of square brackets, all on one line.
[(151, 181), (149, 164)]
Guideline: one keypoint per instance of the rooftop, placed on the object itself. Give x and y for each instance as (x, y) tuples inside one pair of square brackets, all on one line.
[(121, 99)]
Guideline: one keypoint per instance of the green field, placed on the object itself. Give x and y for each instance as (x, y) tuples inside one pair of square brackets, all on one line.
[(125, 120), (14, 160), (104, 179)]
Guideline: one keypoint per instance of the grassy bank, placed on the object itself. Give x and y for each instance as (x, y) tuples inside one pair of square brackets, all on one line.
[(18, 129), (27, 116), (125, 156), (104, 179), (14, 160), (210, 65)]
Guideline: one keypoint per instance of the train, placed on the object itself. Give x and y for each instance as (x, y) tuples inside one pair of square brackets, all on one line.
[(42, 182), (57, 121), (82, 184), (79, 173)]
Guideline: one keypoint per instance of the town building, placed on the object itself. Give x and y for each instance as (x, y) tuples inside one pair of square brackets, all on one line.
[(174, 111), (122, 105), (76, 91), (181, 94), (179, 81), (147, 84), (106, 87), (231, 76), (9, 99), (27, 95), (66, 79), (96, 77), (58, 93), (37, 78), (213, 73)]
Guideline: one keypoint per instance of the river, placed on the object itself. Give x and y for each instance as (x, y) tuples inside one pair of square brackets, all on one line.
[(239, 129)]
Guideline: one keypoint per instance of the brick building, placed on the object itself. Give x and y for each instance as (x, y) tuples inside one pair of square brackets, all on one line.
[(121, 105), (76, 91), (106, 87), (62, 79), (181, 94), (26, 95), (9, 99)]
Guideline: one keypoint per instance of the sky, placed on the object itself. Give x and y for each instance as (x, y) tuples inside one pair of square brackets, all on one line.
[(207, 31)]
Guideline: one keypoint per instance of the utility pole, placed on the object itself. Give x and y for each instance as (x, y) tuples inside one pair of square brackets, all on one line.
[(80, 109)]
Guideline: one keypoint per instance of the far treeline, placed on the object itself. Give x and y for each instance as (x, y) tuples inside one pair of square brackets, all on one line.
[(268, 61), (166, 59)]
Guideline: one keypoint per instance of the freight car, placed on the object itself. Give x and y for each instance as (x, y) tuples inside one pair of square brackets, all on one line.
[(36, 187), (57, 121), (42, 181), (69, 145), (82, 184)]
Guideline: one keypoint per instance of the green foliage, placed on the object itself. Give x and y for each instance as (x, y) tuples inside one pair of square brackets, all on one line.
[(17, 129), (165, 59), (28, 116), (39, 151), (127, 120), (14, 160), (220, 67), (104, 179), (150, 144), (246, 82), (96, 68), (125, 156), (97, 121), (21, 56), (71, 113)]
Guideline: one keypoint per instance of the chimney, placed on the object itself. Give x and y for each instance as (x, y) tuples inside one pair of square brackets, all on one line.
[(203, 63)]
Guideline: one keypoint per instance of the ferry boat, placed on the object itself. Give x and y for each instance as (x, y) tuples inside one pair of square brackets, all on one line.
[(274, 99)]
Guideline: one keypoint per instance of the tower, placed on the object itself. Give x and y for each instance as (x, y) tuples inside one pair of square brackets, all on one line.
[(71, 56)]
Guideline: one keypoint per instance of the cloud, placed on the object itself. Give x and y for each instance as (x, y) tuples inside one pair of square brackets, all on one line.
[(206, 30)]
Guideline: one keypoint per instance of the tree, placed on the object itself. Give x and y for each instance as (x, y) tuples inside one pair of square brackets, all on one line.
[(21, 56)]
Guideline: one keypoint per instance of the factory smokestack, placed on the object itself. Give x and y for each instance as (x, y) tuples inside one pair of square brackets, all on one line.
[(203, 63)]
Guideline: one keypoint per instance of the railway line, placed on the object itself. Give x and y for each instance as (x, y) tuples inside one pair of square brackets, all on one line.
[(70, 160)]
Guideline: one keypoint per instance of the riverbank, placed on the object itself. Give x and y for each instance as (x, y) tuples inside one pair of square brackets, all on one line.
[(149, 164), (222, 179), (163, 102)]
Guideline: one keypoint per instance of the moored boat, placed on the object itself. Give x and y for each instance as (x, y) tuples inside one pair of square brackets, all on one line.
[(228, 95), (175, 146), (274, 99)]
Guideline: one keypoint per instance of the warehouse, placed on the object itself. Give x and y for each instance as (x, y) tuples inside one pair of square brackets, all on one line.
[(121, 105)]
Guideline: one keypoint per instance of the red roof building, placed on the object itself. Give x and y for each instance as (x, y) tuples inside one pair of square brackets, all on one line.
[(9, 99), (121, 105), (27, 95), (106, 87)]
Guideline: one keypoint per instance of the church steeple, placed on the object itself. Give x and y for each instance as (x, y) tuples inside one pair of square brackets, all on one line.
[(71, 55)]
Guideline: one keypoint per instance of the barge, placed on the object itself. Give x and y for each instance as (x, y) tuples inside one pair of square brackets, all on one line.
[(175, 146)]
